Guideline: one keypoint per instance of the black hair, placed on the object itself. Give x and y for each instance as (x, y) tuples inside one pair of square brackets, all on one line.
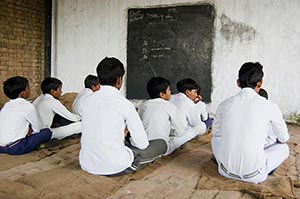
[(250, 73), (157, 85), (109, 70), (187, 84), (50, 83), (91, 80), (13, 86), (262, 92)]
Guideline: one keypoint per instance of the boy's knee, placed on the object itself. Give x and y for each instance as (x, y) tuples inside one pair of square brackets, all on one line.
[(47, 133), (159, 144), (286, 150)]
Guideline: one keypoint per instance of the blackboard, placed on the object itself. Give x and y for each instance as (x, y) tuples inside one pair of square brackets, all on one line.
[(172, 42)]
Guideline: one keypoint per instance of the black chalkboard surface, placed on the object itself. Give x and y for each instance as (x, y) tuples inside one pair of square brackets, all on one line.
[(172, 42)]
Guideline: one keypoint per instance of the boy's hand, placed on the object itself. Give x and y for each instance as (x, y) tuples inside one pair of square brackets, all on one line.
[(198, 99)]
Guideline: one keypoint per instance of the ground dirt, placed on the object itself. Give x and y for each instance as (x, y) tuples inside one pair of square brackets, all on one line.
[(188, 173)]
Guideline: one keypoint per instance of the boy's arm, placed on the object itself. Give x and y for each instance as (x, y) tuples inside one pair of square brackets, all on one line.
[(135, 126), (197, 114), (61, 110), (203, 111), (216, 132), (278, 124)]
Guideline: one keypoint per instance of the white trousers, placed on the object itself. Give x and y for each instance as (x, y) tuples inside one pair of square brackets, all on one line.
[(275, 155), (65, 131)]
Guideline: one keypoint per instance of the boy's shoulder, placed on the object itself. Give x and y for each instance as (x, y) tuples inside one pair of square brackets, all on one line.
[(19, 103), (164, 104)]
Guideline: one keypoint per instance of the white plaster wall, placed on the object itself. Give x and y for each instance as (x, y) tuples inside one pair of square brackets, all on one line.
[(267, 31)]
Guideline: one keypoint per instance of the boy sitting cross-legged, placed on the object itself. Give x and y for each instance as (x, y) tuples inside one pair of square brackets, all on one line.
[(20, 125), (91, 84), (189, 102), (106, 117), (53, 113), (162, 119)]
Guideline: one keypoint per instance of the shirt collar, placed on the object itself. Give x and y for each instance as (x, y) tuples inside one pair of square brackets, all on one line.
[(47, 95), (109, 89), (158, 100), (248, 91), (17, 99)]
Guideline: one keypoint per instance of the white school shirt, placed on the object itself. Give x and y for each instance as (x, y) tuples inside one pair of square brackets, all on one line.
[(15, 118), (105, 115), (47, 106), (162, 119), (195, 113), (241, 124), (76, 106)]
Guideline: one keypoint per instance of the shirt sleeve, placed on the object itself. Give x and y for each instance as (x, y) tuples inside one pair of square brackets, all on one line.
[(197, 114), (203, 111), (60, 109), (135, 127), (217, 122), (278, 124)]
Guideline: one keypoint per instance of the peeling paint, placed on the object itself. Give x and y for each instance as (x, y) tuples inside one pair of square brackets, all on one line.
[(231, 30)]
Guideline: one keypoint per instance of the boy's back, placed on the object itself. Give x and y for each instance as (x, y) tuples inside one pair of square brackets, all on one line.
[(14, 120), (103, 122), (20, 125), (78, 101), (161, 119)]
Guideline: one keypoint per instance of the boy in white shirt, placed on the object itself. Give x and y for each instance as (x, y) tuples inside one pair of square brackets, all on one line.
[(91, 83), (188, 100), (106, 117), (162, 119), (54, 114), (241, 127), (20, 125)]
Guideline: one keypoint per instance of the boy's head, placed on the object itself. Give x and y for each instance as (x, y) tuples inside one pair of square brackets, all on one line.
[(110, 72), (92, 82), (251, 75), (159, 87), (189, 87), (262, 92), (15, 87), (52, 86)]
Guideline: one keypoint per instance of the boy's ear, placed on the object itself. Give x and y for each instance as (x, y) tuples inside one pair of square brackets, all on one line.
[(259, 83), (161, 95), (51, 91), (119, 82), (187, 92), (238, 83), (22, 93)]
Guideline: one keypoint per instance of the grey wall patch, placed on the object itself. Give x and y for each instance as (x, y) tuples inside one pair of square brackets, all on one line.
[(231, 30)]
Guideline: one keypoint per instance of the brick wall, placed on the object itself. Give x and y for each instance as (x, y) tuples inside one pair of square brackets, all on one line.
[(22, 29)]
